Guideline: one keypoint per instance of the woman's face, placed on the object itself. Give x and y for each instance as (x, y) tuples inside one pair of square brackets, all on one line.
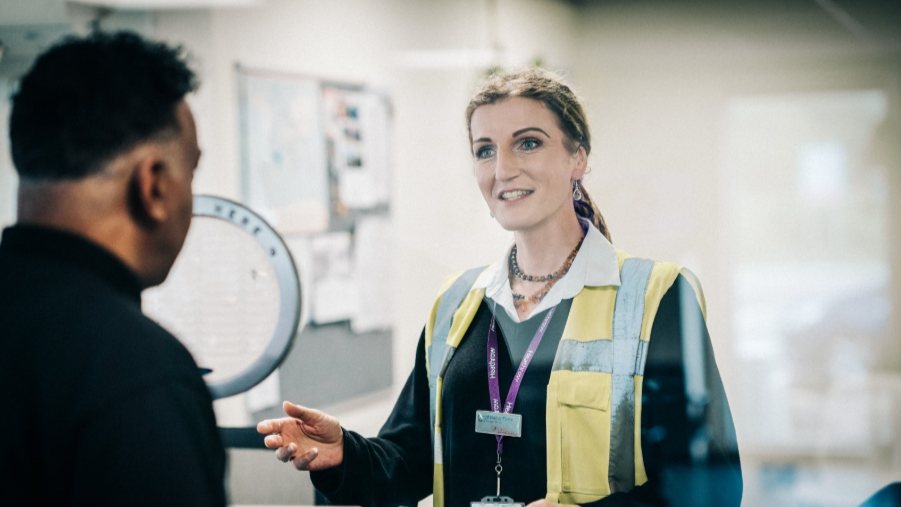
[(522, 165)]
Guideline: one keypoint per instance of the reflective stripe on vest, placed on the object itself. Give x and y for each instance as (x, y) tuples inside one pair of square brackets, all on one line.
[(595, 379), (451, 316), (439, 351), (628, 361)]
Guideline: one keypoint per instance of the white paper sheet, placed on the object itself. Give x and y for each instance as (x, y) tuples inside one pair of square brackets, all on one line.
[(335, 291), (284, 152), (356, 124), (374, 268)]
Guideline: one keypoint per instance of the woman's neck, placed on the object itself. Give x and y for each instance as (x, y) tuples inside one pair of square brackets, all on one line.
[(542, 250)]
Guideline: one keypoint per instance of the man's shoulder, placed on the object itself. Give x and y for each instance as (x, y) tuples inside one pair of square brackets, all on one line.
[(133, 346), (85, 338)]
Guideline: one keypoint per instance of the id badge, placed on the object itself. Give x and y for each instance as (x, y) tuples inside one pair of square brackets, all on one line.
[(498, 423), (496, 501)]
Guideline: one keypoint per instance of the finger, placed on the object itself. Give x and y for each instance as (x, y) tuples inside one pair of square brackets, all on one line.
[(285, 454), (274, 441), (269, 426), (297, 411), (303, 461)]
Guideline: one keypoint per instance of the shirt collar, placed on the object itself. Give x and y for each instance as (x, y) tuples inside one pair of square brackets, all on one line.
[(596, 265), (73, 250)]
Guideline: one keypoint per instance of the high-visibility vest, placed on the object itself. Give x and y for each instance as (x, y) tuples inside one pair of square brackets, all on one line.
[(593, 420)]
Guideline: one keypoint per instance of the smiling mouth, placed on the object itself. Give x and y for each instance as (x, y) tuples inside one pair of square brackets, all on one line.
[(514, 195)]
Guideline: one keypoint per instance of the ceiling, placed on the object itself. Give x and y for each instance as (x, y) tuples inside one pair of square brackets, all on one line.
[(738, 30), (626, 27), (879, 19)]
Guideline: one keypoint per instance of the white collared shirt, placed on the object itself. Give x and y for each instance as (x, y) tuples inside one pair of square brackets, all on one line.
[(595, 265)]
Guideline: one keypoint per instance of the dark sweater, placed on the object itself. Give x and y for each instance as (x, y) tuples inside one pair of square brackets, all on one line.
[(100, 406), (396, 467)]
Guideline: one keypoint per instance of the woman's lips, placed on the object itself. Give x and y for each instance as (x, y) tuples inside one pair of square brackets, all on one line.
[(513, 195)]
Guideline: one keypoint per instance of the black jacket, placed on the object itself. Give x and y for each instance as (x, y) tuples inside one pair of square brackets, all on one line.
[(100, 406)]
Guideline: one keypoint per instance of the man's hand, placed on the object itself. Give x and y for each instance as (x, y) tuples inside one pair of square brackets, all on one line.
[(310, 439)]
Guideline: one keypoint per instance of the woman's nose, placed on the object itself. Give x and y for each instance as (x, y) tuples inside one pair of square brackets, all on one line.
[(507, 166)]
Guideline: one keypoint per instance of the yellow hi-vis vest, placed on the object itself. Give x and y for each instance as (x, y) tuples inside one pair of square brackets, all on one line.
[(593, 421)]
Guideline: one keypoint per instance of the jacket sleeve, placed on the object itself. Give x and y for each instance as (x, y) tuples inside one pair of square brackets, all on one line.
[(169, 455), (687, 440), (394, 468)]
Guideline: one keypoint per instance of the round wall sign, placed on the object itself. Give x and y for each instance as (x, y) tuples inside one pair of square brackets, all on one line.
[(233, 297)]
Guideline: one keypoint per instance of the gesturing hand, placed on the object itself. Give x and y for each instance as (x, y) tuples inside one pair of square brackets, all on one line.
[(310, 439), (545, 503)]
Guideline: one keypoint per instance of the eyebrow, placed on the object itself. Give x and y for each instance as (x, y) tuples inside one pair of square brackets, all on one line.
[(527, 129), (518, 132)]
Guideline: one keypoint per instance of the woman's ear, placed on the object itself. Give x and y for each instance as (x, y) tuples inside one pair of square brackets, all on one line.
[(581, 164)]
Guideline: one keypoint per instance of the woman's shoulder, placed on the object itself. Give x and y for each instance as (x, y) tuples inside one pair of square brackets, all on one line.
[(665, 274), (469, 278), (659, 265)]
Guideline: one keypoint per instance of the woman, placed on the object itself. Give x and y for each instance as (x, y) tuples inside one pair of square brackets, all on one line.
[(566, 356)]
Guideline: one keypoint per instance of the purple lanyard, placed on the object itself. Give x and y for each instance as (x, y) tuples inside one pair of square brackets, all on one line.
[(493, 387)]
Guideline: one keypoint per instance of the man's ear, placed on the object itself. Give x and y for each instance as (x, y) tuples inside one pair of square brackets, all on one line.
[(147, 192)]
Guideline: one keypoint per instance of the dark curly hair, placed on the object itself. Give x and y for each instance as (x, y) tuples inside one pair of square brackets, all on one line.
[(89, 99)]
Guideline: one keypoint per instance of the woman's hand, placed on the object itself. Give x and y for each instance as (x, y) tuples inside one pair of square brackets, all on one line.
[(310, 439), (544, 503)]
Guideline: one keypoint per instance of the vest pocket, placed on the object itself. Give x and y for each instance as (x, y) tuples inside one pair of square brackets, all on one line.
[(583, 405)]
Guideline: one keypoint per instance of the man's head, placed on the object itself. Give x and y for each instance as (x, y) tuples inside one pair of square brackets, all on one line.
[(105, 146)]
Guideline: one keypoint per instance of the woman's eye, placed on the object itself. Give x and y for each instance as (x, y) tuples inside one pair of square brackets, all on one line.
[(485, 152), (529, 144)]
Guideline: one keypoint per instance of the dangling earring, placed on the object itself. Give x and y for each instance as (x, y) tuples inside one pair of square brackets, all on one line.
[(491, 213), (577, 192)]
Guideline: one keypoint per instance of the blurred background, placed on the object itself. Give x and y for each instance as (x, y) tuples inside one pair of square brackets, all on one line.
[(757, 143)]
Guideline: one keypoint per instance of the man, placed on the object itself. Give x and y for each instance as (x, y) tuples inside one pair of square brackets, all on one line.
[(98, 404)]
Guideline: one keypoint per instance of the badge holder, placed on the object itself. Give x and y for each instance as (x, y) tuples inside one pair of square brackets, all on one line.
[(496, 501)]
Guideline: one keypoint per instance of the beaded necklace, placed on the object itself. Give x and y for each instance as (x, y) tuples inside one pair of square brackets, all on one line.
[(521, 301)]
